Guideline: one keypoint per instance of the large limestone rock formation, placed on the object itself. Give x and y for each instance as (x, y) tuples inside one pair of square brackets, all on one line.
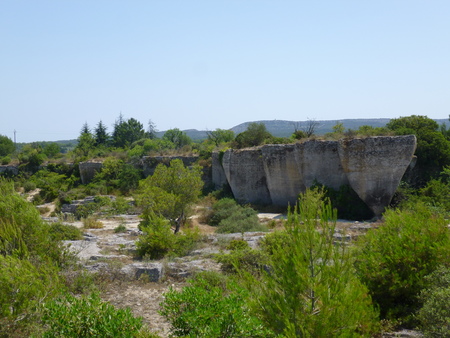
[(11, 169), (88, 170), (374, 167), (276, 174), (245, 173)]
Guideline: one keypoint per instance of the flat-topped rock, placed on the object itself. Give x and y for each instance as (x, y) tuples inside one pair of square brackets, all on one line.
[(276, 174)]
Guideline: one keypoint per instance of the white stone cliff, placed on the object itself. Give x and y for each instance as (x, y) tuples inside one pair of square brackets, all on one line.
[(276, 174)]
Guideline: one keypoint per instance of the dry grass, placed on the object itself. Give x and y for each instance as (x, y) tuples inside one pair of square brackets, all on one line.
[(92, 223)]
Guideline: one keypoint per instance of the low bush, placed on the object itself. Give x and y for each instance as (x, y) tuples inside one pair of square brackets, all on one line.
[(121, 206), (5, 160), (436, 194), (435, 313), (92, 223), (159, 241), (238, 244), (394, 259), (51, 184), (310, 288), (22, 232), (205, 310), (221, 210), (24, 285), (230, 217), (243, 259), (29, 186), (120, 228), (63, 232), (88, 316)]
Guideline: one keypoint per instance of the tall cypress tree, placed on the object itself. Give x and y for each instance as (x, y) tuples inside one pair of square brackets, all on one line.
[(101, 134)]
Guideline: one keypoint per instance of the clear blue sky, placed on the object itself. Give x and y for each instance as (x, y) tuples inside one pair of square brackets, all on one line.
[(195, 64)]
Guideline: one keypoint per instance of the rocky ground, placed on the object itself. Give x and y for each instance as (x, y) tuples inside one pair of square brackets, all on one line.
[(141, 285)]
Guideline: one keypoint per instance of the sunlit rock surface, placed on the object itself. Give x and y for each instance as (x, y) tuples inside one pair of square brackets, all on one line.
[(276, 174)]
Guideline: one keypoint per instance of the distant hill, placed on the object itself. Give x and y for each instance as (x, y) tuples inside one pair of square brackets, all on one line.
[(279, 128), (282, 128), (194, 134)]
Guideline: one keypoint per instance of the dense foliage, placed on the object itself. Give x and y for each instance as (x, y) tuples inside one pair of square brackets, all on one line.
[(170, 192), (6, 146), (158, 240), (394, 259), (433, 149), (311, 289), (230, 217), (88, 316), (211, 307), (256, 134), (29, 259), (435, 312)]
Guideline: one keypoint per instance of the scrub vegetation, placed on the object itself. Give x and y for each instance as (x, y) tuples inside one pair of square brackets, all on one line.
[(300, 281)]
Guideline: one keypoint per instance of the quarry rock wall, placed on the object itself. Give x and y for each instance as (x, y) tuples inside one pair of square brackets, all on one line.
[(276, 174), (12, 169), (88, 170)]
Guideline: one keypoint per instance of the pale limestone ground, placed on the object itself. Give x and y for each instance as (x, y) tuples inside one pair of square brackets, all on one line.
[(144, 298)]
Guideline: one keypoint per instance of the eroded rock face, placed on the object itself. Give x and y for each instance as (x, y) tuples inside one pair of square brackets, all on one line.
[(374, 166), (244, 170), (276, 174), (292, 168), (218, 174), (12, 169), (89, 169)]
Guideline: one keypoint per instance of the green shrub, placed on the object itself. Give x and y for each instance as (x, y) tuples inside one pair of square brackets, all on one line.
[(434, 315), (231, 217), (221, 210), (159, 240), (120, 206), (202, 310), (120, 228), (128, 178), (22, 232), (245, 220), (88, 317), (79, 281), (436, 194), (238, 244), (62, 232), (29, 186), (310, 288), (50, 183), (394, 259), (24, 285), (6, 160), (245, 259)]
